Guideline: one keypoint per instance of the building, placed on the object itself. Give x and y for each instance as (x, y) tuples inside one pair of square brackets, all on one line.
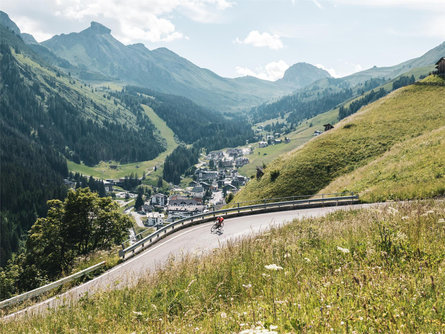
[(317, 133), (262, 144), (241, 161), (227, 163), (215, 155), (198, 191), (203, 174), (328, 127), (154, 219), (158, 200), (177, 200), (440, 66), (234, 152)]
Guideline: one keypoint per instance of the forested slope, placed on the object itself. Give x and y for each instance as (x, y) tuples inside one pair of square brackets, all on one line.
[(47, 117)]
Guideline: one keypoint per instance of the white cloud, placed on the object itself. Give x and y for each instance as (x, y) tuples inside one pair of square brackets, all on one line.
[(257, 39), (272, 71), (415, 4), (436, 27), (318, 4), (131, 20)]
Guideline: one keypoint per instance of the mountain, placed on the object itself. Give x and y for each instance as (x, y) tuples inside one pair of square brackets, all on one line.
[(391, 149), (95, 50), (45, 118), (326, 93), (303, 74), (427, 60), (6, 22)]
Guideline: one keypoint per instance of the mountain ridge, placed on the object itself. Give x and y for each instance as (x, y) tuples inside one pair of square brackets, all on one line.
[(163, 70)]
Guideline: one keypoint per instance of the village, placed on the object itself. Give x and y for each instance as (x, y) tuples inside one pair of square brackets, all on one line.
[(215, 178), (214, 182)]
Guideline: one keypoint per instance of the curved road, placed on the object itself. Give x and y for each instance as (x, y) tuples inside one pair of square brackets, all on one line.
[(192, 240)]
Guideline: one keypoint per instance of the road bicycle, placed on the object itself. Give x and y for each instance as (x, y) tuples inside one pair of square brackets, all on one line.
[(217, 227)]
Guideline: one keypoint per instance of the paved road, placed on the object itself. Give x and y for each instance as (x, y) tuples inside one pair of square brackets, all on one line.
[(193, 240), (137, 217)]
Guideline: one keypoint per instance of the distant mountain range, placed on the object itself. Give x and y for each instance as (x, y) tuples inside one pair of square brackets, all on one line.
[(95, 50), (95, 55)]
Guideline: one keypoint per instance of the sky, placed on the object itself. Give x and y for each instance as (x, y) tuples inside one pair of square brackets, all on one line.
[(261, 38)]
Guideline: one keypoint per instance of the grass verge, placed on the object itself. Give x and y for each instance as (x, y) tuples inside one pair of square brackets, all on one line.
[(377, 270)]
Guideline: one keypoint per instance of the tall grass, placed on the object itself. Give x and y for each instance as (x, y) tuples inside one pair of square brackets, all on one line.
[(377, 270), (413, 169)]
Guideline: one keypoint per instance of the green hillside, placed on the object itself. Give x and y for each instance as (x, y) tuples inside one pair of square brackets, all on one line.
[(115, 170), (405, 114), (411, 169)]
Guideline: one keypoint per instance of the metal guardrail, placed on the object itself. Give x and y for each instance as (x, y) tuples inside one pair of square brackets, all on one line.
[(325, 200), (48, 287)]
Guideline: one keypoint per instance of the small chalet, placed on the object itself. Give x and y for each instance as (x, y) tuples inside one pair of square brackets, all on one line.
[(159, 200), (154, 219), (440, 66), (198, 192), (328, 127)]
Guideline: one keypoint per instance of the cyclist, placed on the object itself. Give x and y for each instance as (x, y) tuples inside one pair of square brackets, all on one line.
[(219, 221)]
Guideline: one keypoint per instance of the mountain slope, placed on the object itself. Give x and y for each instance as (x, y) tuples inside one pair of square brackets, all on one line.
[(45, 118), (96, 50), (303, 74), (426, 60), (355, 142), (6, 22)]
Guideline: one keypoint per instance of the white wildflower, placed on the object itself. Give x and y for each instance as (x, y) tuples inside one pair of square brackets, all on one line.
[(307, 259), (265, 275), (223, 315), (273, 266), (405, 218), (342, 323), (343, 250), (393, 210), (272, 327), (286, 255), (441, 220), (137, 313), (247, 286), (430, 212)]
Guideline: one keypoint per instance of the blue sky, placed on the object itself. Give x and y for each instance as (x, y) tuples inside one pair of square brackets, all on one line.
[(253, 37)]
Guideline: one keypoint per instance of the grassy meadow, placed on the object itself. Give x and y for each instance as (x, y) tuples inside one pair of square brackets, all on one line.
[(362, 271), (104, 170), (357, 141), (413, 169), (302, 134)]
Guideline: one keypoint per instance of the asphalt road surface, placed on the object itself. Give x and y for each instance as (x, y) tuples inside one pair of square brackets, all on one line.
[(196, 240)]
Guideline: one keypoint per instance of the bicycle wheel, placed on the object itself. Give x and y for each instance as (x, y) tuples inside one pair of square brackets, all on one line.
[(213, 228)]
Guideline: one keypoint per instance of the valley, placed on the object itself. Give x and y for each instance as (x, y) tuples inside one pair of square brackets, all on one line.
[(105, 142)]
